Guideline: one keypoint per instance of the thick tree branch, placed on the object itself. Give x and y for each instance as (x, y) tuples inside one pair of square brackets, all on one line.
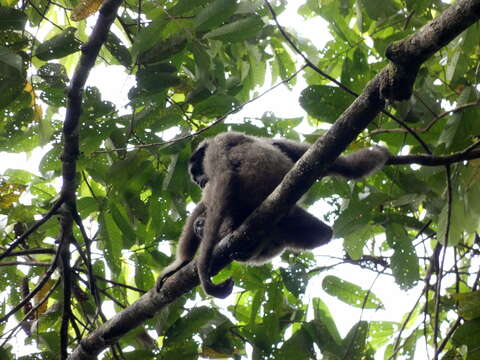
[(430, 160), (310, 167)]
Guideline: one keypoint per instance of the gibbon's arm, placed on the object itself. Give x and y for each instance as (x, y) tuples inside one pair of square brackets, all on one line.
[(294, 150), (361, 163), (355, 166), (188, 244)]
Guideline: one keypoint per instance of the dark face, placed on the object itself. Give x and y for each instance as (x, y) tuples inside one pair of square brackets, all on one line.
[(195, 167)]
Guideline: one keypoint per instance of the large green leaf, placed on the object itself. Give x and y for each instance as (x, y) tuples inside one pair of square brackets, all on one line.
[(350, 293), (239, 30), (158, 77), (163, 50), (191, 323), (183, 6), (118, 50), (355, 341), (404, 261), (216, 105), (299, 346), (12, 19), (468, 334), (325, 103), (58, 46), (11, 76), (214, 14)]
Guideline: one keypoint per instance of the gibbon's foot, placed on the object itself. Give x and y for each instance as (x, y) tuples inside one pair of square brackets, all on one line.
[(169, 271), (160, 280), (221, 290)]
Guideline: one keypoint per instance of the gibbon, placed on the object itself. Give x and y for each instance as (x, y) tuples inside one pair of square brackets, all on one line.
[(237, 172)]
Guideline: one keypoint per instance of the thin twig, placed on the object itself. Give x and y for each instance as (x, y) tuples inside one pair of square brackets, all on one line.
[(34, 227), (335, 81), (440, 268), (35, 290), (430, 124), (220, 119), (31, 312)]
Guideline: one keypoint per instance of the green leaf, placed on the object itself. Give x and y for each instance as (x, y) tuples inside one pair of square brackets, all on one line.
[(299, 346), (58, 46), (163, 50), (15, 40), (239, 30), (324, 339), (222, 343), (355, 241), (295, 278), (355, 341), (455, 127), (11, 76), (50, 162), (183, 6), (358, 214), (215, 106), (187, 350), (214, 14), (111, 242), (350, 293), (12, 19), (284, 62), (120, 218), (404, 261), (118, 50), (143, 272), (381, 332), (468, 304), (54, 74), (376, 12), (191, 323), (322, 314), (325, 103), (456, 222), (468, 334), (155, 79), (86, 206), (50, 341)]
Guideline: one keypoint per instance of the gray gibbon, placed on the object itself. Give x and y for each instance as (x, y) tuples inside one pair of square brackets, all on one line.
[(236, 173)]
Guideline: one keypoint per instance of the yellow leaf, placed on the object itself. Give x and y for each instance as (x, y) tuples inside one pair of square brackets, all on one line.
[(29, 89), (40, 295), (10, 193), (37, 112), (85, 8)]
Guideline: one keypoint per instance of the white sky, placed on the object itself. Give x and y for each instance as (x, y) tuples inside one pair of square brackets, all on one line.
[(114, 84)]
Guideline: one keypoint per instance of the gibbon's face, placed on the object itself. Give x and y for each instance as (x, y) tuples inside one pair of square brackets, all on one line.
[(195, 168)]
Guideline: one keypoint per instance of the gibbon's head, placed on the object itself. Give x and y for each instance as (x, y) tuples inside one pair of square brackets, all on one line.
[(195, 166)]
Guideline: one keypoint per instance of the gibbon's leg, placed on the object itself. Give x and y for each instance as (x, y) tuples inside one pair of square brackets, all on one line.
[(297, 231), (188, 244), (360, 163), (219, 205), (303, 231), (294, 150), (352, 166)]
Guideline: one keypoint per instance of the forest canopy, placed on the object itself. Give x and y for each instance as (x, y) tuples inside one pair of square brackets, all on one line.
[(85, 232)]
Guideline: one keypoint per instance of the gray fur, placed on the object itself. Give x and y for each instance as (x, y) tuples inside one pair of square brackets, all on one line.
[(237, 172)]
